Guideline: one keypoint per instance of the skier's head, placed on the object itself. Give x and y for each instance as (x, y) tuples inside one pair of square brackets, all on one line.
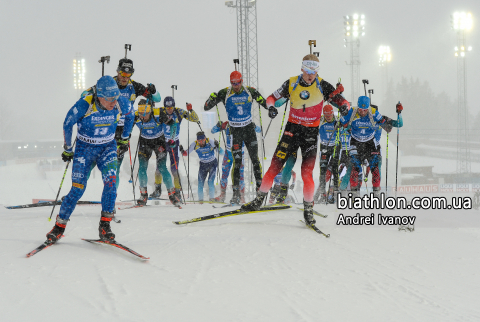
[(107, 92), (310, 67), (236, 80), (328, 112), (169, 104), (201, 138), (363, 105), (144, 109), (124, 71)]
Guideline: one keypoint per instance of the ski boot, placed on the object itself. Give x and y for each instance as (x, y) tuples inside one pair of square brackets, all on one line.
[(57, 232), (158, 191), (236, 195), (331, 196), (104, 230), (256, 203), (178, 194), (274, 193), (143, 196), (308, 213), (173, 197), (282, 195), (221, 197)]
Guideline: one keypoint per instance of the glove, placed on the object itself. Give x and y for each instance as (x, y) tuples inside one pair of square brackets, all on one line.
[(184, 153), (189, 107), (149, 90), (181, 148), (339, 90), (67, 156), (171, 143), (272, 112), (224, 125), (213, 96), (122, 146), (215, 142), (292, 186), (399, 108)]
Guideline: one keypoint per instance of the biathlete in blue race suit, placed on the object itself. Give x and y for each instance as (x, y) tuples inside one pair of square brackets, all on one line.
[(363, 122), (238, 101), (96, 116), (208, 163), (152, 123), (178, 115)]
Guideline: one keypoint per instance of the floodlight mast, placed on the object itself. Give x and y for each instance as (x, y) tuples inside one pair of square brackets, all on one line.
[(461, 23), (385, 57), (354, 28)]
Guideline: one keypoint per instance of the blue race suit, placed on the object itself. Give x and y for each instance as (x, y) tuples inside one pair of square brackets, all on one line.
[(95, 144)]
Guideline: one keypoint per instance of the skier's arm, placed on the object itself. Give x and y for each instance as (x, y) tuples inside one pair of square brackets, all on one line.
[(279, 94), (258, 97), (191, 116), (215, 98), (74, 115), (191, 148), (127, 110), (346, 118), (141, 90), (334, 96), (216, 128)]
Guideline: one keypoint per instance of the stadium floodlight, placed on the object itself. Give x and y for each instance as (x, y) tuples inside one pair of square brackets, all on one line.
[(354, 28), (79, 73), (385, 55), (461, 23)]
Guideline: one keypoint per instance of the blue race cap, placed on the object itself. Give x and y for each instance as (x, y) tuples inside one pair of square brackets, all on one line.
[(363, 102), (107, 87), (169, 102), (201, 136)]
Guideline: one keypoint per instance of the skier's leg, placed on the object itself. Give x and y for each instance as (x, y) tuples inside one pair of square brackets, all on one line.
[(202, 175), (251, 143), (84, 157), (309, 156), (107, 164), (211, 179), (226, 166)]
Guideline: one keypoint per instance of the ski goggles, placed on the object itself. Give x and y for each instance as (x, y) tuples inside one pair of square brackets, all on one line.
[(127, 75), (110, 99), (144, 109), (310, 66), (236, 84)]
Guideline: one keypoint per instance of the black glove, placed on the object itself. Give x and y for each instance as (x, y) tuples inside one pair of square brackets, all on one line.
[(181, 148), (219, 125), (272, 112), (122, 146), (292, 186), (216, 143), (151, 88), (67, 156)]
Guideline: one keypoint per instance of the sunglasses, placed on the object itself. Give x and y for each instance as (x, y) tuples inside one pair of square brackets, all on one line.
[(236, 84), (110, 99), (125, 74)]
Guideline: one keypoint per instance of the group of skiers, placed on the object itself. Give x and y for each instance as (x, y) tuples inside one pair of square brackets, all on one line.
[(105, 117)]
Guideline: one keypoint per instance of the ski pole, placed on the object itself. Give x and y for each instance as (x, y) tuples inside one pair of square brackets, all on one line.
[(398, 138), (386, 171), (61, 184), (283, 119), (178, 174), (261, 128), (188, 180)]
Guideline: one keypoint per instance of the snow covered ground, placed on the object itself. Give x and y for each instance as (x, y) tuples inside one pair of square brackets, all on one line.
[(252, 267)]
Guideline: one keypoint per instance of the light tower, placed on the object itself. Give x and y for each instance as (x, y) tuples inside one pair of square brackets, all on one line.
[(79, 73), (248, 59), (461, 23), (354, 28), (385, 56)]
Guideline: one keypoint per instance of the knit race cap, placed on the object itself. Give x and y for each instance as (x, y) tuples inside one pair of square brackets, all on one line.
[(328, 110), (125, 65), (169, 102), (363, 102), (235, 77)]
